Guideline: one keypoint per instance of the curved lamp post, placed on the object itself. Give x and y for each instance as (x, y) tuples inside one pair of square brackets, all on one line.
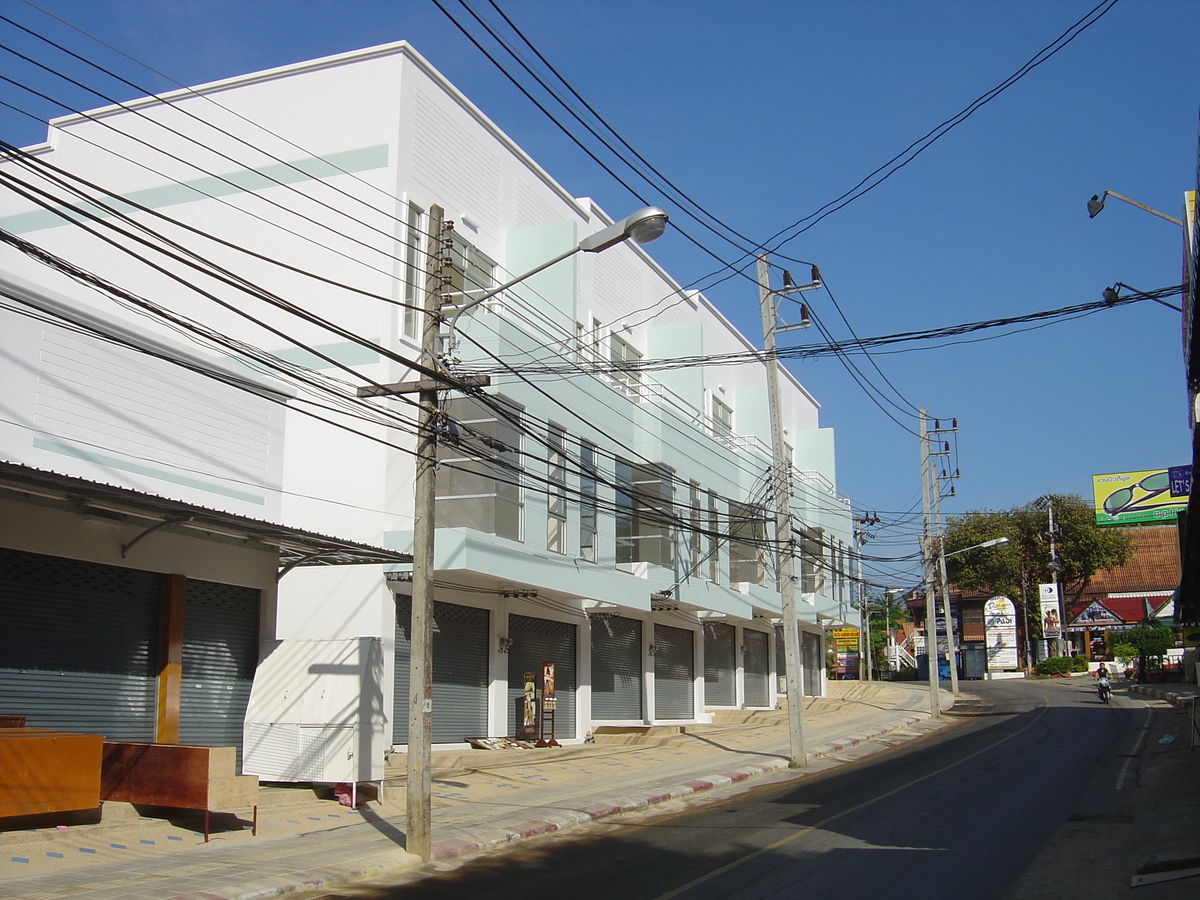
[(951, 648), (1097, 203), (642, 226)]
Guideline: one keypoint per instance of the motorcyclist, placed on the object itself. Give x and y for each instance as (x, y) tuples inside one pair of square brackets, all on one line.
[(1103, 687)]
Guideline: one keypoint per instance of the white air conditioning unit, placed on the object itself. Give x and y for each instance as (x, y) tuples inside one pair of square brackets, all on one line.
[(316, 712)]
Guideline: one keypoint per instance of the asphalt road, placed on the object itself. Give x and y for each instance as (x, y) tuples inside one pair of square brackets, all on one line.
[(961, 812)]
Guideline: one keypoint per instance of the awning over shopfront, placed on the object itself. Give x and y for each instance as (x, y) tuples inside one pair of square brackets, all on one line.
[(296, 547)]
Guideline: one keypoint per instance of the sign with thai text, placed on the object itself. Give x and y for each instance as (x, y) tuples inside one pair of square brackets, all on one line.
[(1153, 495)]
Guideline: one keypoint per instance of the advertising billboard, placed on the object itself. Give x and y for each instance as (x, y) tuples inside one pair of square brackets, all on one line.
[(1000, 628), (1152, 495)]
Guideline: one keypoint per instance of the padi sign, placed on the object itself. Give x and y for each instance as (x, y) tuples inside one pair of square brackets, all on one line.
[(1152, 495), (1000, 633)]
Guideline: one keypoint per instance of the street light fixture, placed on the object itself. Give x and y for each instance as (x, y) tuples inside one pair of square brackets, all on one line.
[(1097, 203), (642, 226), (952, 651), (994, 542)]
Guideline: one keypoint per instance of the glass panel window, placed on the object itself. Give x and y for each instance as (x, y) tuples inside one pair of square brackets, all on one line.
[(626, 365), (722, 418), (470, 270), (747, 534), (414, 270), (556, 506), (695, 539), (812, 562), (479, 479), (587, 501), (644, 514), (714, 547)]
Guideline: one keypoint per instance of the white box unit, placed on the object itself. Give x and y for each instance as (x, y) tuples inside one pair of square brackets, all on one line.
[(316, 712)]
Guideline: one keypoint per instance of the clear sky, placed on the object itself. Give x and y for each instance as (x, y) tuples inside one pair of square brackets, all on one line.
[(763, 112)]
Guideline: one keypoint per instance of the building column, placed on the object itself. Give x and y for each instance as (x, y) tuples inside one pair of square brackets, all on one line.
[(170, 659)]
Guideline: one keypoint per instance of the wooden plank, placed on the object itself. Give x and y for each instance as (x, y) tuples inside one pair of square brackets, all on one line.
[(43, 771)]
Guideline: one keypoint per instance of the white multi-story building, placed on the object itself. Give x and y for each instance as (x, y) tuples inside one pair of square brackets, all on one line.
[(197, 283)]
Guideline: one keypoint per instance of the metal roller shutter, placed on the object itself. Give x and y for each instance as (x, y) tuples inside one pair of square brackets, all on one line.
[(674, 673), (79, 645), (616, 668), (811, 645), (720, 664), (220, 650), (460, 672), (535, 641), (757, 667)]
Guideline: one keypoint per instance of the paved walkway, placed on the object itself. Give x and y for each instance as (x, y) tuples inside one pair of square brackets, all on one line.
[(480, 799)]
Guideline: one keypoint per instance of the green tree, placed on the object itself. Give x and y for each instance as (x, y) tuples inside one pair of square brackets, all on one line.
[(1150, 640), (884, 609), (1016, 568)]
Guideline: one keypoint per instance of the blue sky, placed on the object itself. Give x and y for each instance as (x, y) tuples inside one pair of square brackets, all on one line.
[(764, 111)]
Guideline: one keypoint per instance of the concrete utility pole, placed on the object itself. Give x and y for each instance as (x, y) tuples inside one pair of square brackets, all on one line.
[(782, 465), (935, 484), (931, 649), (642, 226), (1054, 567)]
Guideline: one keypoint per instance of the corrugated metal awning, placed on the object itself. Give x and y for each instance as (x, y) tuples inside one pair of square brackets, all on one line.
[(295, 546)]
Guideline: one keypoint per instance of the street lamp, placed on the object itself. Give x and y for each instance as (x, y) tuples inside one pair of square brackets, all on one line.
[(1097, 203), (642, 226), (951, 646), (994, 542)]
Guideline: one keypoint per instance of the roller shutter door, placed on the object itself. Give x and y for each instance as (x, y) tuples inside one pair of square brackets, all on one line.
[(720, 664), (674, 673), (811, 645), (616, 668), (757, 667), (79, 645), (460, 672), (535, 641), (220, 650)]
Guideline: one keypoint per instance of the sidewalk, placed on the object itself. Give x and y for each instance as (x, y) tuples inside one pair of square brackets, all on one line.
[(481, 798)]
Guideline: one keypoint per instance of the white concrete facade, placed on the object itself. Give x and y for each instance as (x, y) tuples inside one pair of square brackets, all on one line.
[(330, 167)]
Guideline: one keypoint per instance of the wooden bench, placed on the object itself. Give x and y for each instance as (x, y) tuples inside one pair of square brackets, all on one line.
[(44, 771), (177, 775)]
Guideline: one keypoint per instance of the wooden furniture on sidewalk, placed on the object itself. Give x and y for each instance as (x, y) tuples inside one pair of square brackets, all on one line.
[(177, 775), (44, 771)]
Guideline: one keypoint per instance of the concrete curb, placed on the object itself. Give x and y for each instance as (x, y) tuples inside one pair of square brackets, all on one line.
[(397, 860), (1180, 700)]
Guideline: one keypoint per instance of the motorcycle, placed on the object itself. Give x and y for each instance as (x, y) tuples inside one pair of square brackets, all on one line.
[(1105, 689)]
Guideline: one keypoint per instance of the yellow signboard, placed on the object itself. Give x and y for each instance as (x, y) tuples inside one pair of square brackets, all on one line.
[(845, 637), (1152, 495)]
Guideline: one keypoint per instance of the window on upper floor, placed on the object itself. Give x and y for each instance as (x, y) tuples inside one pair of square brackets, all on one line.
[(747, 537), (626, 365), (713, 543), (696, 536), (645, 513), (556, 494), (587, 500), (415, 271), (479, 479), (722, 417), (812, 561), (470, 269)]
